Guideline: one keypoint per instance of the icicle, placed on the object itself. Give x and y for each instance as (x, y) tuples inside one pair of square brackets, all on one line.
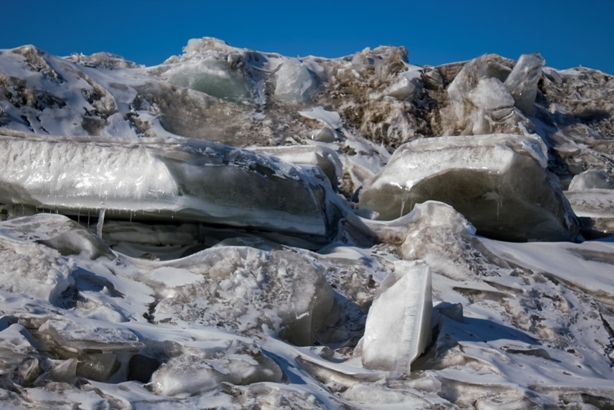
[(100, 222)]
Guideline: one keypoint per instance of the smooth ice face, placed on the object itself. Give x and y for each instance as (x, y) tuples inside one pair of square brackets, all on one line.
[(398, 325), (591, 179), (212, 77), (522, 81), (293, 81), (497, 182), (192, 180)]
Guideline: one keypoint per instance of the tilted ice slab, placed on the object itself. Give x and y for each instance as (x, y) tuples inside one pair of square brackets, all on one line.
[(155, 179), (498, 182), (398, 327)]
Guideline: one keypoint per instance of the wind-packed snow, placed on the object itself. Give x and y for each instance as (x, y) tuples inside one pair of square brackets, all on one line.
[(237, 229)]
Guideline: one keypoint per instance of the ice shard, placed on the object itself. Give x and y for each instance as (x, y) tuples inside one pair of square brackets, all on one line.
[(398, 326), (167, 180), (522, 81)]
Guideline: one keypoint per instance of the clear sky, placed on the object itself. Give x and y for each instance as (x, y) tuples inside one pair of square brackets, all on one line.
[(567, 33)]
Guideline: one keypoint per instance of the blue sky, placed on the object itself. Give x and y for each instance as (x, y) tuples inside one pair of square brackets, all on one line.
[(567, 33)]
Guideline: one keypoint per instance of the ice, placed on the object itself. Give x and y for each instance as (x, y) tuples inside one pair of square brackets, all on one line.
[(34, 270), (57, 232), (196, 373), (294, 81), (329, 118), (259, 300), (481, 99), (247, 289), (212, 77), (522, 81), (449, 237), (103, 59), (196, 181), (497, 182), (591, 179), (398, 327), (323, 157)]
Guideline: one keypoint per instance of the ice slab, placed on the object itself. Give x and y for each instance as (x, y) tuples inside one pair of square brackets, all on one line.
[(213, 77), (187, 180), (498, 182), (591, 179), (398, 325)]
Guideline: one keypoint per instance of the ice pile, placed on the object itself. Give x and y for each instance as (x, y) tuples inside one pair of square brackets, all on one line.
[(484, 93), (238, 229)]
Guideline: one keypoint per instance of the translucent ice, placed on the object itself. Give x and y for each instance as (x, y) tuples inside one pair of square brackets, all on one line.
[(398, 325), (293, 81), (497, 182), (591, 179), (212, 77), (522, 81)]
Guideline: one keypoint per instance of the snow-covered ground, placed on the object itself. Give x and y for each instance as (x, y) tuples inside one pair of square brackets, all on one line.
[(236, 229)]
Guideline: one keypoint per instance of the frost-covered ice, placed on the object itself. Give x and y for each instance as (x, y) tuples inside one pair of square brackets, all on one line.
[(205, 233)]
